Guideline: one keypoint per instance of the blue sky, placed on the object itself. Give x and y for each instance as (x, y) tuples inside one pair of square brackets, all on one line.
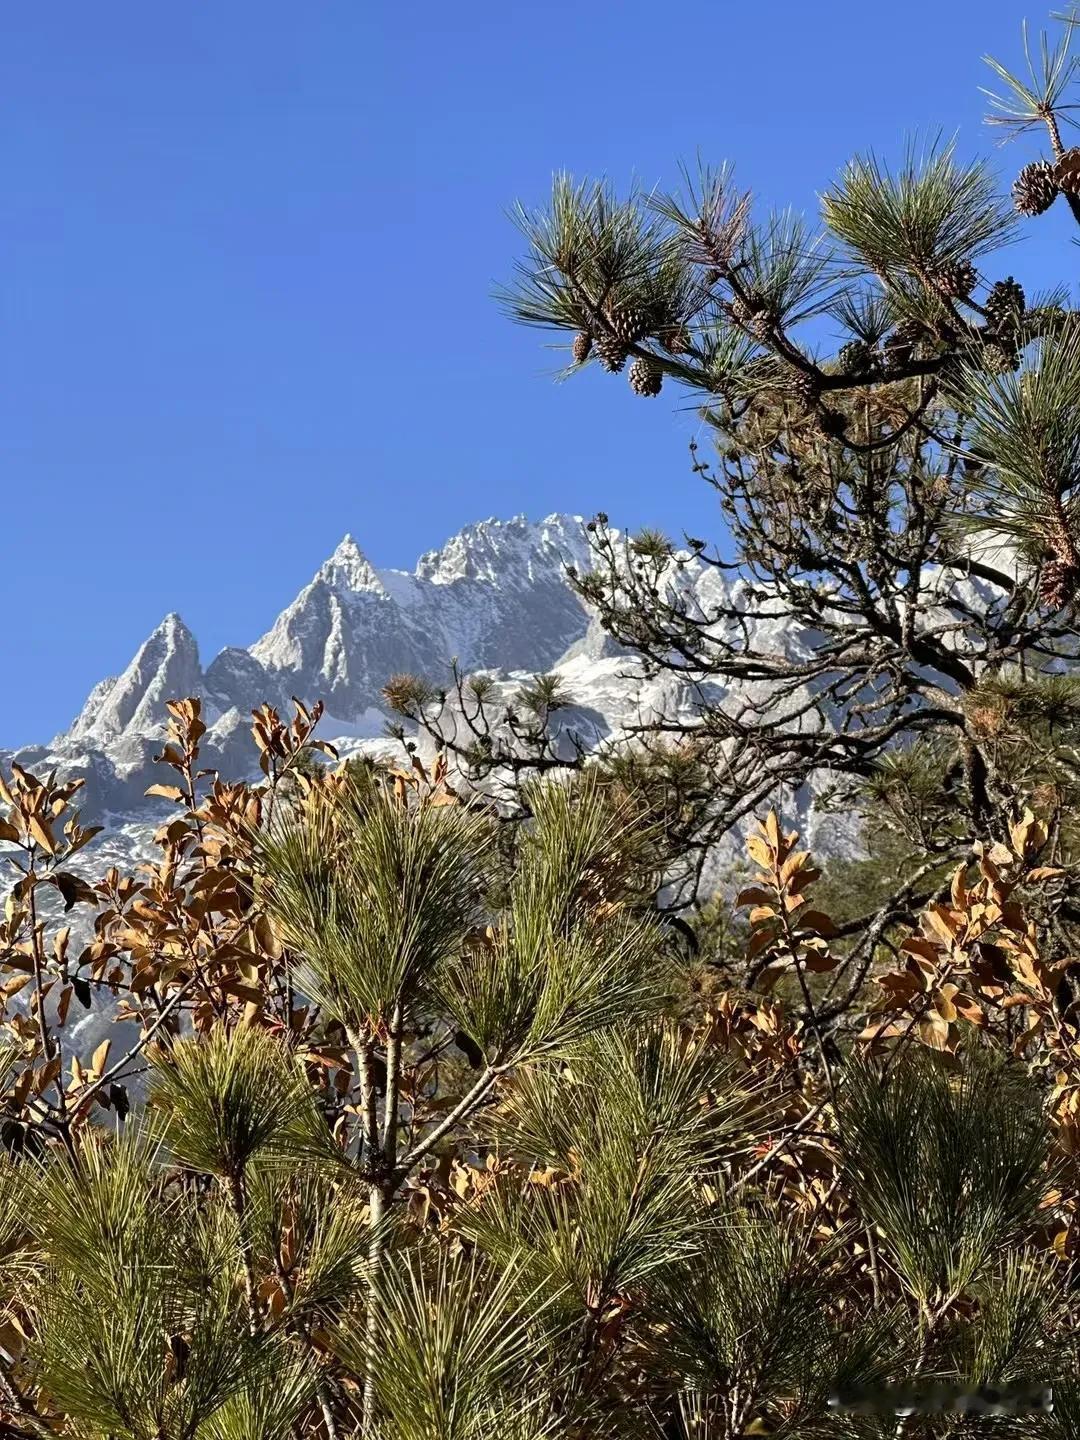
[(248, 252)]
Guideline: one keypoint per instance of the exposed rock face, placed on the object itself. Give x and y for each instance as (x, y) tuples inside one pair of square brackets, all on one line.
[(165, 666), (495, 597)]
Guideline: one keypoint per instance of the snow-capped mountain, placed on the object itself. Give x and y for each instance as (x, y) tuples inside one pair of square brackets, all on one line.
[(495, 597)]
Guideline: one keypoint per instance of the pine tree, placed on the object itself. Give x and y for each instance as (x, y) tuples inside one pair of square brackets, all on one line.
[(442, 1149), (435, 1128), (909, 501)]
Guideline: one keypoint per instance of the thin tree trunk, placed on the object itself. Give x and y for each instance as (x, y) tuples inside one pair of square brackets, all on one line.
[(382, 1191), (386, 1174), (238, 1200), (393, 1094), (374, 1159), (323, 1396)]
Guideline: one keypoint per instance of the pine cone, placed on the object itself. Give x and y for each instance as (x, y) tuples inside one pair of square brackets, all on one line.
[(1059, 584), (675, 339), (1045, 320), (611, 353), (999, 357), (958, 281), (899, 345), (1035, 188), (752, 315), (629, 323), (806, 387), (1067, 172), (856, 357), (897, 357), (1005, 305), (645, 377), (581, 347)]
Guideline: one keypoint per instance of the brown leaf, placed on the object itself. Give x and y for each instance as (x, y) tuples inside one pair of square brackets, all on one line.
[(818, 921), (934, 1030), (958, 890), (46, 1075), (923, 946), (251, 993), (761, 939), (40, 831), (803, 878), (944, 921), (755, 895), (167, 792), (73, 888), (1028, 835), (943, 1004), (970, 1009), (794, 864)]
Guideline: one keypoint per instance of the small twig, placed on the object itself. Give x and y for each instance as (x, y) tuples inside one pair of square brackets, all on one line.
[(463, 1108), (140, 1045), (779, 1147)]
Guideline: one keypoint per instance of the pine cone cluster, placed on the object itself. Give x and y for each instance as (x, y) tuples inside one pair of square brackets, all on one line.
[(959, 280), (754, 316), (1035, 189), (1067, 172), (645, 377)]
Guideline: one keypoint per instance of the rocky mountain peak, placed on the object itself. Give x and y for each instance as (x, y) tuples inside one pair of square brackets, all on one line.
[(348, 569), (495, 551), (496, 597), (166, 665)]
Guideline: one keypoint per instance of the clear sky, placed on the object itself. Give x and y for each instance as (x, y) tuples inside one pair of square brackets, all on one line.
[(248, 252)]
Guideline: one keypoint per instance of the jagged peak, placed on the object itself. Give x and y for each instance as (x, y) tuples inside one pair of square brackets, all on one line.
[(482, 549), (165, 666), (476, 549), (348, 568), (495, 591), (172, 627)]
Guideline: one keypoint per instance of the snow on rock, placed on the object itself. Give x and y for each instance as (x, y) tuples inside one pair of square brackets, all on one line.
[(165, 665), (495, 597)]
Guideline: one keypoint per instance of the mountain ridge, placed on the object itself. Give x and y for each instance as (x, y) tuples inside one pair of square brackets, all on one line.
[(495, 597)]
